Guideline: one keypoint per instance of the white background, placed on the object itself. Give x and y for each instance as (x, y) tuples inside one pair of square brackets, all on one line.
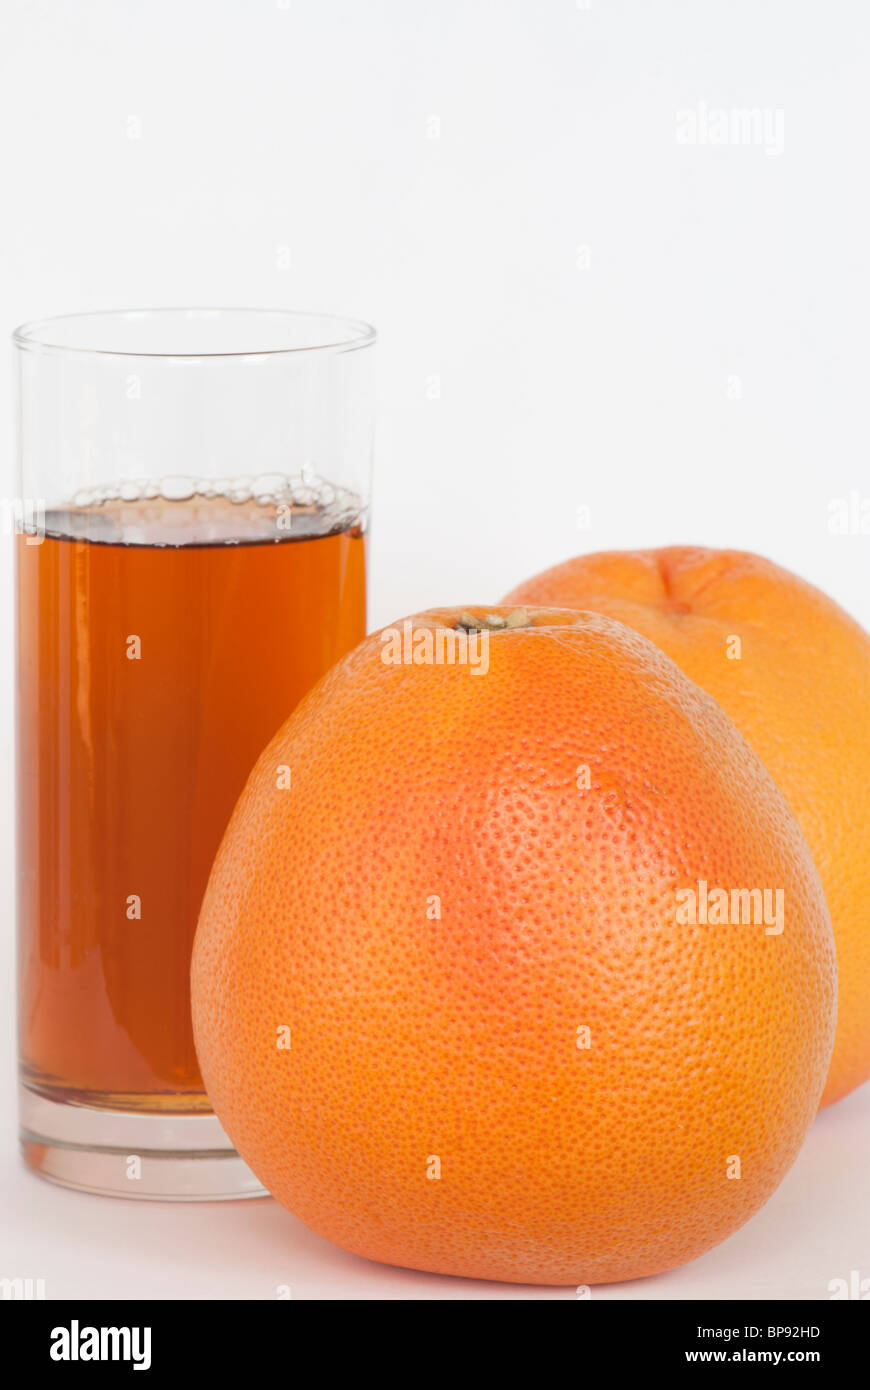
[(576, 310)]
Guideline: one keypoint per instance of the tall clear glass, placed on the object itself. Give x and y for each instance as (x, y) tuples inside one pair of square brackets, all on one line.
[(191, 557)]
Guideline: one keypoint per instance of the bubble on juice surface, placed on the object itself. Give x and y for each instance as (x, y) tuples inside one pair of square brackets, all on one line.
[(178, 510), (178, 489)]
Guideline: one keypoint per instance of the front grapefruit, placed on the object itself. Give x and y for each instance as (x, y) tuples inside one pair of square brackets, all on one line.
[(442, 998)]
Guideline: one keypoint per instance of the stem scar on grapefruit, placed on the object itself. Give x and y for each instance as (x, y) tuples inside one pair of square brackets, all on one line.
[(792, 670), (445, 999)]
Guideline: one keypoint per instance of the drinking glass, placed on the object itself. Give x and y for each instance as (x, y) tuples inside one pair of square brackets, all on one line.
[(191, 557)]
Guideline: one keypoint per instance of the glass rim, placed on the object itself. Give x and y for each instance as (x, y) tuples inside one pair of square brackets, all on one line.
[(351, 334)]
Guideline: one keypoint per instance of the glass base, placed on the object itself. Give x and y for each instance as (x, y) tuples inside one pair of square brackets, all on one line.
[(116, 1153)]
